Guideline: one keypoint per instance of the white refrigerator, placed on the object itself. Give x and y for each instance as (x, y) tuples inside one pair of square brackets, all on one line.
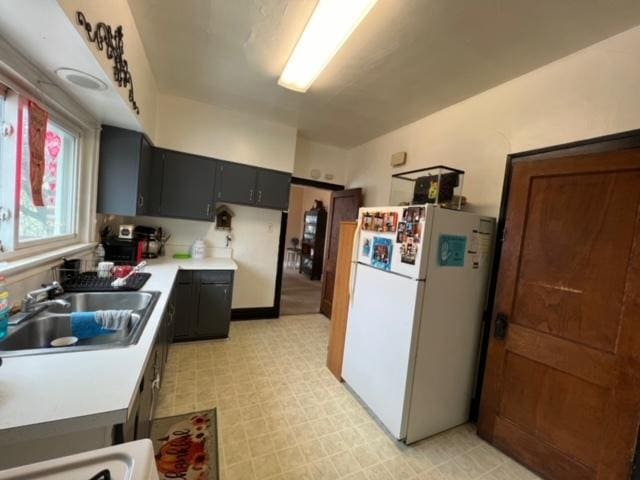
[(418, 292)]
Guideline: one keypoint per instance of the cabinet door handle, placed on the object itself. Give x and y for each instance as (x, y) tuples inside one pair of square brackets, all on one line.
[(140, 200), (259, 196), (250, 195), (219, 194), (208, 210), (226, 294)]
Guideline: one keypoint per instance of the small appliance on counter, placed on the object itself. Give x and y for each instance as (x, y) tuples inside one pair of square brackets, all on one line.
[(125, 232), (121, 251), (152, 240)]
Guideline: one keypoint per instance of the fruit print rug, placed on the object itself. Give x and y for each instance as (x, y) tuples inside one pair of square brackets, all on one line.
[(186, 446)]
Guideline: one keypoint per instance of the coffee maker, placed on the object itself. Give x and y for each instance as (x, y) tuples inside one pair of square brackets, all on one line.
[(151, 239)]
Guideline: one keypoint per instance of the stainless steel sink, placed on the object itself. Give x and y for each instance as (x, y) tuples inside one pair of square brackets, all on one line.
[(34, 336), (92, 301)]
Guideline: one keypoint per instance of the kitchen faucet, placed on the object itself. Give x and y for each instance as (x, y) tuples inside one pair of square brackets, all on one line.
[(31, 306)]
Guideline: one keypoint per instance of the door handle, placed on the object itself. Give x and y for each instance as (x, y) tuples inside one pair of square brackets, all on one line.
[(501, 326), (250, 195), (140, 201), (259, 196), (208, 210)]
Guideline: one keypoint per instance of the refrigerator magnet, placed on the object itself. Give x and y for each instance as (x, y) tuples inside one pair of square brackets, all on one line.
[(390, 221), (378, 222), (366, 247), (408, 251), (451, 250), (413, 214), (400, 235), (381, 255), (367, 221)]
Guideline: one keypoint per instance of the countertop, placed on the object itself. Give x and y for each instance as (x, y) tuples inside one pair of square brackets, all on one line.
[(57, 393)]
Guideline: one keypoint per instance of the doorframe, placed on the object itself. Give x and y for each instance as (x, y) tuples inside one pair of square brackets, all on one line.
[(606, 143), (283, 232), (264, 313)]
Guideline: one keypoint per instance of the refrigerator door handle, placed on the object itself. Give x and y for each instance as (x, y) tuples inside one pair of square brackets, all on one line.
[(354, 259)]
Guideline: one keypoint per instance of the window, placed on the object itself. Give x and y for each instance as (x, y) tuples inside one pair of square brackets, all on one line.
[(57, 216), (24, 222)]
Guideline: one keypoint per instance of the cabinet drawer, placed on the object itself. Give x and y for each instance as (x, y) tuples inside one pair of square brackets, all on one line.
[(216, 276), (185, 277)]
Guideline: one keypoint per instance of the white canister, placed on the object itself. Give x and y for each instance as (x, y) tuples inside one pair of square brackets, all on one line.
[(198, 250)]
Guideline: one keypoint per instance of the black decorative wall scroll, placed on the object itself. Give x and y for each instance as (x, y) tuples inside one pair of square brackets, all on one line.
[(105, 36)]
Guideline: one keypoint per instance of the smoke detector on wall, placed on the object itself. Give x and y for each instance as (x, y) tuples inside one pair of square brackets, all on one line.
[(81, 79)]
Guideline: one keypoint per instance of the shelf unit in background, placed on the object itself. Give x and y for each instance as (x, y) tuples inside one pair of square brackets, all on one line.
[(312, 245)]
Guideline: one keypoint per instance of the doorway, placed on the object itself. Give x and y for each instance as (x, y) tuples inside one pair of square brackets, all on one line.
[(304, 247), (561, 392)]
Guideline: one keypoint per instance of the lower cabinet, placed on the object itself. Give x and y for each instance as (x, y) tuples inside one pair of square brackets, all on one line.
[(139, 423), (203, 304)]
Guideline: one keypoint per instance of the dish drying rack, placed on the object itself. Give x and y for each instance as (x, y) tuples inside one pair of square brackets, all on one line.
[(82, 276)]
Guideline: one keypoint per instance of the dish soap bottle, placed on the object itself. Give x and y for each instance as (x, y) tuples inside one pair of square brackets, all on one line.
[(99, 254), (4, 307)]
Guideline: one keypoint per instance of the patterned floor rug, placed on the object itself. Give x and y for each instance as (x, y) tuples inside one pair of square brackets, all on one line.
[(186, 446)]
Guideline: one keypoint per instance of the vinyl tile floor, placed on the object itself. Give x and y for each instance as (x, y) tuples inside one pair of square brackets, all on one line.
[(283, 416)]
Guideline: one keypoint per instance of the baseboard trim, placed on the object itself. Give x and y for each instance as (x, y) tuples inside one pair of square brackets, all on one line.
[(257, 313)]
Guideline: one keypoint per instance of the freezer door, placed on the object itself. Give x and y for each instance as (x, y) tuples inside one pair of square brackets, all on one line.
[(393, 239), (379, 341)]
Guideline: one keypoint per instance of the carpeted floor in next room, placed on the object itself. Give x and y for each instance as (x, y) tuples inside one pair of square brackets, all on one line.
[(299, 294), (283, 416)]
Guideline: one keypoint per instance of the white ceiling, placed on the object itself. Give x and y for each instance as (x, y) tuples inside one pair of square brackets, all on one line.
[(407, 59)]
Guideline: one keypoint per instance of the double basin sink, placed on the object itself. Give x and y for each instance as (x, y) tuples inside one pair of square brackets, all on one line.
[(34, 335)]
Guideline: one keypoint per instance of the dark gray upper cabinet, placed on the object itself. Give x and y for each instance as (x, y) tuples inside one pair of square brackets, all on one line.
[(272, 190), (247, 185), (187, 187), (126, 173), (236, 183)]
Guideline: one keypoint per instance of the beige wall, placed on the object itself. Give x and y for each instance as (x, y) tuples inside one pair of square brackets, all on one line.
[(329, 160), (590, 93), (117, 12), (204, 129), (295, 214)]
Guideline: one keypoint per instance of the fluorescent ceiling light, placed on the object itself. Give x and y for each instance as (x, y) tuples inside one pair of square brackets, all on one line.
[(330, 25)]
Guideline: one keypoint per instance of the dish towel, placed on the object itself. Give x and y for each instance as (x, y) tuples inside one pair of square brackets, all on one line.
[(113, 319), (102, 322)]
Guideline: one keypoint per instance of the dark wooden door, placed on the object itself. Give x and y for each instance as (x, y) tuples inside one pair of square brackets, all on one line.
[(562, 383), (188, 184), (214, 310), (236, 183), (273, 189), (343, 208)]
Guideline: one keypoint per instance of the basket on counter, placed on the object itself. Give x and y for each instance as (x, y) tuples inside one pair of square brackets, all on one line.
[(77, 275)]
